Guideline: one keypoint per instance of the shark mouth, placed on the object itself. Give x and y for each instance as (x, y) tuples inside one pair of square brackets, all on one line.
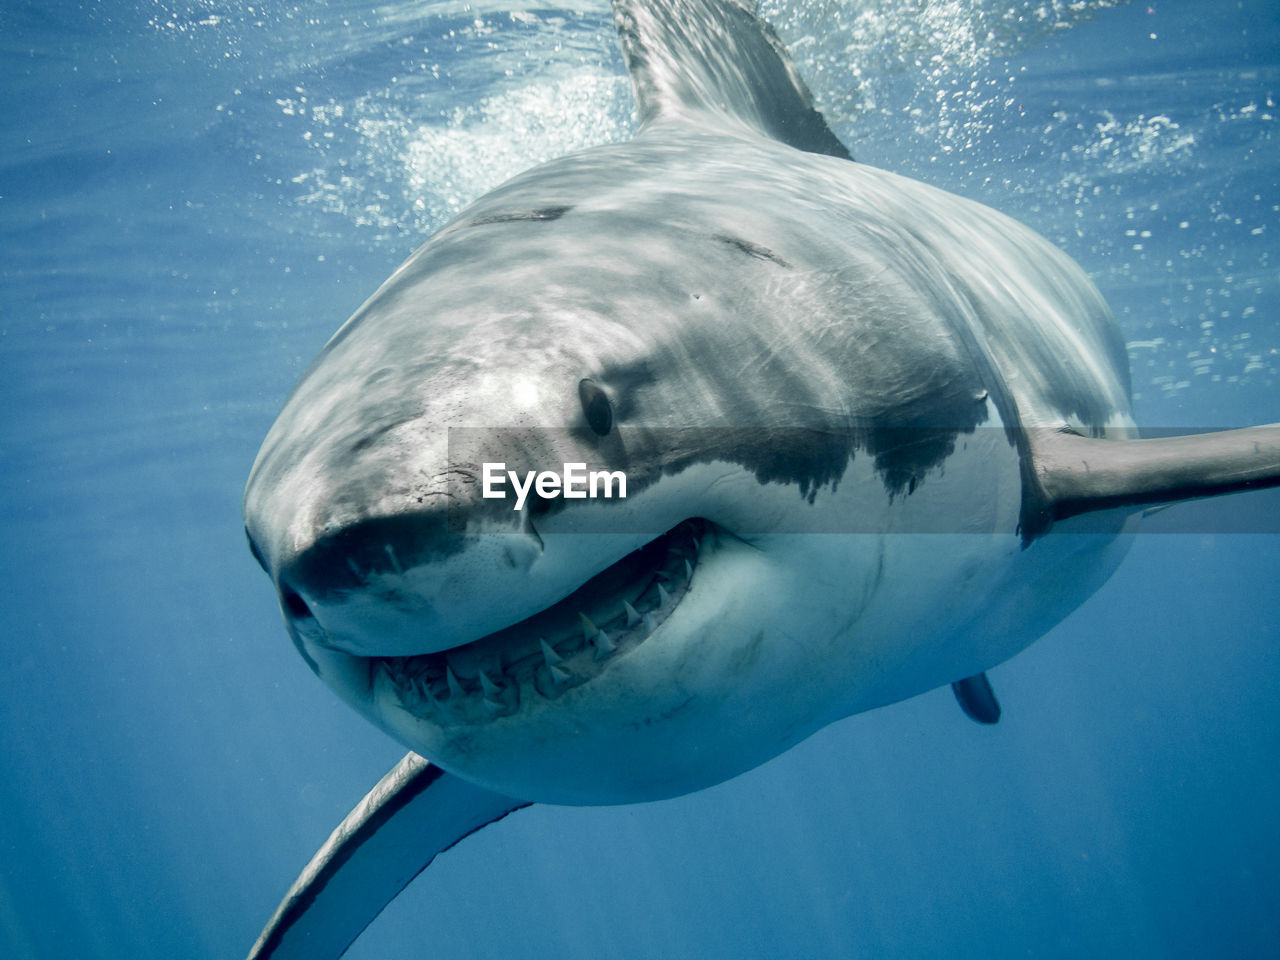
[(558, 648)]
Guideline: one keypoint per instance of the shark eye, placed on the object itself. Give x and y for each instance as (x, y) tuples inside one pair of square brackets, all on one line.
[(596, 406)]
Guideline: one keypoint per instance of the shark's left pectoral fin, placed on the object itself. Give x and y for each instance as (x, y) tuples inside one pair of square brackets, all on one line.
[(977, 699), (415, 812), (1079, 474)]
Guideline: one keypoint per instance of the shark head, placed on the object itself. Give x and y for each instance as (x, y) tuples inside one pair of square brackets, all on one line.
[(610, 647)]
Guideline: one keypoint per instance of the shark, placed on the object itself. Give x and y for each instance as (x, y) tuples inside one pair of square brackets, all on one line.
[(869, 438)]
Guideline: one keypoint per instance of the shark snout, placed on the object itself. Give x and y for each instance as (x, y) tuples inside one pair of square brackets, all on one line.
[(406, 583)]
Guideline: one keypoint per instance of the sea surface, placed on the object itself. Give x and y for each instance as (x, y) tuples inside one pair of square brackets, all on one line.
[(195, 194)]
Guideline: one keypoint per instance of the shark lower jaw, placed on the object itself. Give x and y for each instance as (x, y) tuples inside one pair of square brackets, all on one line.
[(558, 649)]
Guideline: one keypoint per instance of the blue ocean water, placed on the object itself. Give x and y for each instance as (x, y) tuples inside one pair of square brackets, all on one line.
[(194, 194)]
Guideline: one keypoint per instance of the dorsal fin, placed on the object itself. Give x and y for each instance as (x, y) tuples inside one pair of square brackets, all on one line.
[(709, 61)]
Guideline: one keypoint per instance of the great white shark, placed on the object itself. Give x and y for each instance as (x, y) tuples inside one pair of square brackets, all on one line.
[(877, 439)]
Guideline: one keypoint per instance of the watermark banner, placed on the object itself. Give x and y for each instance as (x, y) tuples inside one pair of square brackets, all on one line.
[(863, 478)]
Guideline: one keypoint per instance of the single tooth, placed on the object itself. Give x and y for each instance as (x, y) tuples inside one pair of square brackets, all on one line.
[(663, 597), (632, 617), (589, 629), (424, 688), (661, 575), (648, 624), (391, 555), (558, 674), (455, 688), (688, 569), (549, 655), (488, 686), (697, 545), (604, 646)]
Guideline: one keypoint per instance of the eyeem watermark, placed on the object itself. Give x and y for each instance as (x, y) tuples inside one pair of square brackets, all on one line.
[(574, 483)]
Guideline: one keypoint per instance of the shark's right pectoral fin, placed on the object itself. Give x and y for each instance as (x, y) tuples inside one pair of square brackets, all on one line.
[(415, 812)]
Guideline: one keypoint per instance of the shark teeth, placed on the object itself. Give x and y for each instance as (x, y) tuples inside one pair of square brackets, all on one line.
[(424, 690), (455, 688), (555, 662), (549, 655), (488, 679)]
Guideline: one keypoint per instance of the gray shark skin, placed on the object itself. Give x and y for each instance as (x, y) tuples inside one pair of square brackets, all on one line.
[(862, 421)]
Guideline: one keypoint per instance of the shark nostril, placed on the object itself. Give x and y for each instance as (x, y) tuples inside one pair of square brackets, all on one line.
[(294, 605)]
